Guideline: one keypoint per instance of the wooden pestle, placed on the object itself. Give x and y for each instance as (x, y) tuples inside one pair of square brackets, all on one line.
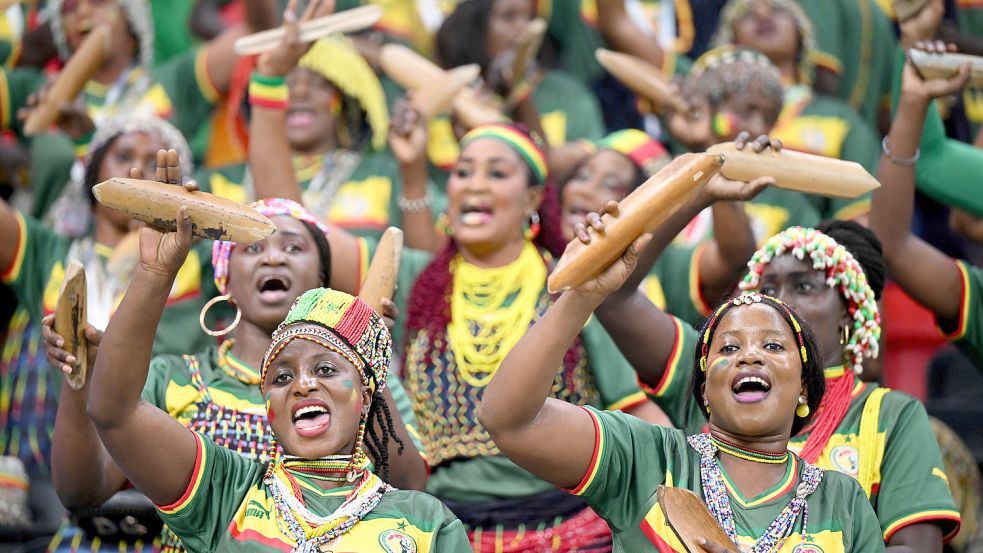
[(156, 204)]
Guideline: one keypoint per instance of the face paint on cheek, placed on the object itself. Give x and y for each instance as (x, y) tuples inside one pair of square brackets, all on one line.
[(270, 415), (718, 364)]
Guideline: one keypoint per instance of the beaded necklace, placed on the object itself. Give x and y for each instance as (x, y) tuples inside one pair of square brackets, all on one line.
[(309, 530), (490, 310), (753, 455), (718, 501), (235, 367)]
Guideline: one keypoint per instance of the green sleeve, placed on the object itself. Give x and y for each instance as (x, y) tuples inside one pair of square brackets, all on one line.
[(451, 538), (569, 111), (866, 534), (39, 256), (966, 331), (191, 95), (15, 86), (673, 392), (616, 380), (948, 170), (158, 377), (172, 32), (678, 272), (630, 461), (52, 157), (913, 486), (576, 40), (219, 483)]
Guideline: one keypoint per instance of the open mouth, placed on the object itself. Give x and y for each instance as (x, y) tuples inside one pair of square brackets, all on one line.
[(748, 388), (311, 417), (300, 117), (273, 288), (475, 213)]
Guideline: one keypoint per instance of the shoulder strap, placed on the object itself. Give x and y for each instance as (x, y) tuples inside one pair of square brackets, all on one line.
[(868, 438)]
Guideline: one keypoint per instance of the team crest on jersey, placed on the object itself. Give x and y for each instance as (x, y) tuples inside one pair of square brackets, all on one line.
[(807, 548), (846, 459), (394, 541)]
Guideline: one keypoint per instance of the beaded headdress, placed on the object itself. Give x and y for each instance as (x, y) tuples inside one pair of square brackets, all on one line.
[(269, 207), (529, 148), (644, 151), (748, 298), (336, 60), (136, 122), (735, 10), (351, 329), (842, 271), (137, 15)]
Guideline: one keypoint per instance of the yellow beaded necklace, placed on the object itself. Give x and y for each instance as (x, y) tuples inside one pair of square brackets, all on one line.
[(490, 310)]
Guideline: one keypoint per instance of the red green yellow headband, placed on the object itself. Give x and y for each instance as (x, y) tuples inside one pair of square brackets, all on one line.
[(526, 146), (639, 147)]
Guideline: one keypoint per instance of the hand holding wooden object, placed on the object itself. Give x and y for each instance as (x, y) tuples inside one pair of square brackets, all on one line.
[(155, 203), (70, 322), (641, 211), (690, 520)]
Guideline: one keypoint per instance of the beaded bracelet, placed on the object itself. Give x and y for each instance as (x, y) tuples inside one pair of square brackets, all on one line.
[(910, 162), (415, 205), (268, 92)]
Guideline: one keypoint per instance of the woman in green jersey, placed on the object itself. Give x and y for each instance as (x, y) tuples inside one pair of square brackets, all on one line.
[(322, 380), (757, 376)]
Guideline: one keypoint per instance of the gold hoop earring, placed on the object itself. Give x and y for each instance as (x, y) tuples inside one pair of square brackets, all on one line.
[(211, 303)]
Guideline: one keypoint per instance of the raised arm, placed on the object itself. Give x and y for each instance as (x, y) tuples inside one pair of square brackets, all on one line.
[(548, 437), (220, 56), (408, 142), (925, 273), (645, 334), (83, 473), (155, 452), (724, 259), (625, 35), (270, 156)]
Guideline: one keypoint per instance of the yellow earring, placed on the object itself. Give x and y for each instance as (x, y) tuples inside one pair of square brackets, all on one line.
[(803, 409), (706, 404)]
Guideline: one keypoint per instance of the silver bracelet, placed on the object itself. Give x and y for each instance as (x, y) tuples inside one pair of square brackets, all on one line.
[(910, 162), (415, 205)]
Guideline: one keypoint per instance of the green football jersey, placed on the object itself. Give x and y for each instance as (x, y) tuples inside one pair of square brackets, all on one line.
[(633, 458), (228, 507)]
